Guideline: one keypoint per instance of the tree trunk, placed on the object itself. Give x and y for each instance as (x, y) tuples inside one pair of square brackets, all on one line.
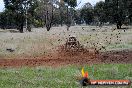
[(28, 26), (49, 18), (68, 28), (61, 15), (20, 27), (48, 21), (20, 22), (119, 24), (68, 23), (48, 26)]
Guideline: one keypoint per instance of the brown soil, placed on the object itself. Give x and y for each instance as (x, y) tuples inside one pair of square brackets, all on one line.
[(63, 59)]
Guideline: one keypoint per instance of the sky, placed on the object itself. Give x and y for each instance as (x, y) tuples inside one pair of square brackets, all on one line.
[(93, 2), (1, 5)]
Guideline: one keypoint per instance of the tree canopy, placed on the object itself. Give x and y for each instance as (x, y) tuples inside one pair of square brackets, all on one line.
[(48, 13)]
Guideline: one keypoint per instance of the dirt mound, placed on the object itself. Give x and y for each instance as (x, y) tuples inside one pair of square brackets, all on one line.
[(59, 60)]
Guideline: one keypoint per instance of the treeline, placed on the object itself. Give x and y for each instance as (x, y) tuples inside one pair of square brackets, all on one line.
[(47, 13)]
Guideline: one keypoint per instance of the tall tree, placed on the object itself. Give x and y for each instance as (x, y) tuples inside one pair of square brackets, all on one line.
[(129, 9), (30, 7), (7, 19), (71, 4), (63, 11), (3, 20), (116, 9), (99, 11), (19, 8), (46, 12), (87, 13), (78, 19)]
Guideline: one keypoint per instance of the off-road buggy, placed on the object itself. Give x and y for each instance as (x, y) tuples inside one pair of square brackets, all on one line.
[(73, 45)]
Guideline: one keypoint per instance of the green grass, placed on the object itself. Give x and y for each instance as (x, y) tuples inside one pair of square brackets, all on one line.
[(62, 77)]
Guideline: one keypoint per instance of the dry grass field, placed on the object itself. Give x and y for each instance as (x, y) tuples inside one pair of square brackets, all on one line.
[(40, 42)]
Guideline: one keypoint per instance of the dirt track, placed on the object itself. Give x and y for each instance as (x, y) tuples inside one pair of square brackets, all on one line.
[(61, 60)]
